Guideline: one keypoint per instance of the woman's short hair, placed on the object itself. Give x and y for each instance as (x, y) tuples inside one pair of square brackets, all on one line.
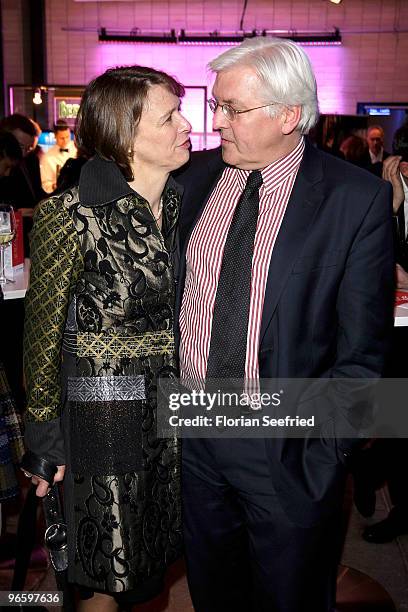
[(284, 71), (111, 108)]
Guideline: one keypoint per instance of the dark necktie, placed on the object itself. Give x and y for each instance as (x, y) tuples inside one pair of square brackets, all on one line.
[(229, 331), (64, 150)]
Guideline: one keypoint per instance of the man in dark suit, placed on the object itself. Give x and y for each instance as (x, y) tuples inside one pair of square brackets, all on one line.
[(262, 516), (376, 153)]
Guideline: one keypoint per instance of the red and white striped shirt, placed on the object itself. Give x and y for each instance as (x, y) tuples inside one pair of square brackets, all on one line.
[(204, 257)]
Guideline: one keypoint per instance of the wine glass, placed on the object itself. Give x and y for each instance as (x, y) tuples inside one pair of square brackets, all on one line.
[(7, 233)]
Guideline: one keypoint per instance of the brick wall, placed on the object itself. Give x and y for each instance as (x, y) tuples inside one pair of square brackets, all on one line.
[(15, 69), (371, 65), (367, 67)]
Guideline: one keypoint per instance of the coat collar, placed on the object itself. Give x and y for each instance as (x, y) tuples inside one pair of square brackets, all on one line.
[(102, 182)]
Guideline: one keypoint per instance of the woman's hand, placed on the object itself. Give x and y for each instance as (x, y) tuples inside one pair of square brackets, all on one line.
[(42, 485), (402, 278), (392, 174)]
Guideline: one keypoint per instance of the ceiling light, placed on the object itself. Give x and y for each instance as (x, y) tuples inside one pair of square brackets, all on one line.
[(37, 99), (137, 37), (182, 37)]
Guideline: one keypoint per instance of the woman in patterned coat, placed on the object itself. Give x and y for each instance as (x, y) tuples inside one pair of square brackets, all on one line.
[(99, 333)]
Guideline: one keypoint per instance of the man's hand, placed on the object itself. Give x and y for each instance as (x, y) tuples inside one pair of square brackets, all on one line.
[(402, 278), (42, 485), (391, 173)]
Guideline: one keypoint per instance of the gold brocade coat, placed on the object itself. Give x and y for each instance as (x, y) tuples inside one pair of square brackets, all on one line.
[(99, 333)]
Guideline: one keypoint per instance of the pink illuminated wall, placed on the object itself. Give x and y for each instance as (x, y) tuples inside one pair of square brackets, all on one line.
[(371, 65), (188, 64)]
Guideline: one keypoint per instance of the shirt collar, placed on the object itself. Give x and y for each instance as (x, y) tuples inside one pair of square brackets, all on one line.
[(278, 171), (376, 158), (102, 182)]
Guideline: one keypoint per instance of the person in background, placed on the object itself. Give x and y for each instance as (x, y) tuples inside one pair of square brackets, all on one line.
[(56, 156), (354, 150), (11, 441), (16, 141), (31, 166), (395, 170), (11, 438), (385, 460), (33, 162), (23, 187), (10, 155), (286, 272), (23, 130), (330, 145), (70, 172), (376, 153), (99, 333)]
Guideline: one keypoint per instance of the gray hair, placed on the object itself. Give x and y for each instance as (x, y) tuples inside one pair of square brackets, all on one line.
[(284, 71)]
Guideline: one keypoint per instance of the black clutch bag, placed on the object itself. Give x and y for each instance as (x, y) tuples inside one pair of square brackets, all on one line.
[(56, 529)]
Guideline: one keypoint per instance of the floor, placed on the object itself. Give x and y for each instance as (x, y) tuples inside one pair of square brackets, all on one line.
[(387, 564), (372, 577)]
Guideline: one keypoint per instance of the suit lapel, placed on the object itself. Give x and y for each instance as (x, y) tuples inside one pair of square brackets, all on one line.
[(304, 202)]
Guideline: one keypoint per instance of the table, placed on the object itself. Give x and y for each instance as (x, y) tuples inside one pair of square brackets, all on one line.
[(17, 290), (401, 315)]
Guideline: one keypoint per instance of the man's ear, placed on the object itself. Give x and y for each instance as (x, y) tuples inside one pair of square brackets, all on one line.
[(290, 118)]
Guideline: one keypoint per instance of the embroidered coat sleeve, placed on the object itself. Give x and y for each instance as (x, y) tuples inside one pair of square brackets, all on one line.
[(56, 263)]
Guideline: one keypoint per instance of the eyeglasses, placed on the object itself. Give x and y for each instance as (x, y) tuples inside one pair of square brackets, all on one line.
[(230, 112)]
